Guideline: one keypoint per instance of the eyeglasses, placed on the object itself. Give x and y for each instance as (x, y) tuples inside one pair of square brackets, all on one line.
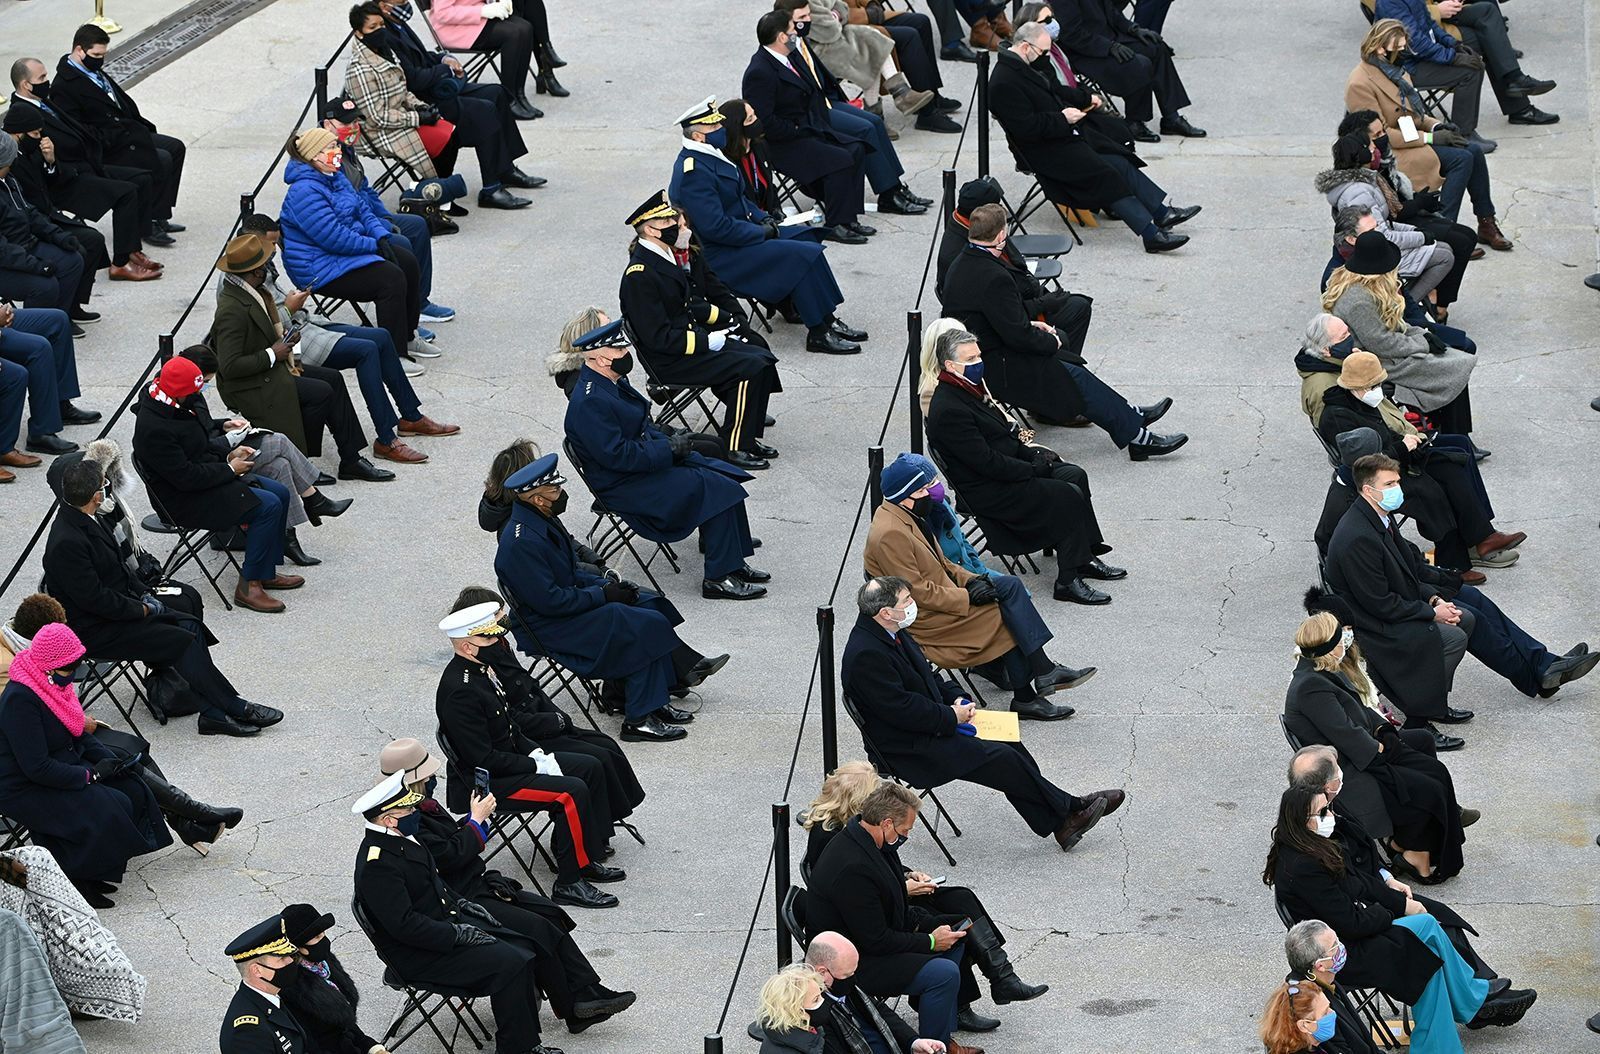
[(1321, 814)]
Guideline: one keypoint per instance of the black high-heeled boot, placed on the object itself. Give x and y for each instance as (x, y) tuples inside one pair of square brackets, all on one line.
[(175, 801), (986, 951), (297, 555), (551, 59), (319, 505), (546, 84)]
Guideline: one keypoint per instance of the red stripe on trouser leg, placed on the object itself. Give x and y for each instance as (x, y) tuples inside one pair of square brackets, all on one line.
[(574, 827)]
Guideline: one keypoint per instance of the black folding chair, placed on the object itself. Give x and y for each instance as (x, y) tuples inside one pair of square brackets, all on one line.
[(1367, 1005), (327, 305), (553, 678), (189, 543), (1107, 103), (793, 911), (1433, 100), (13, 835), (395, 171), (101, 678), (426, 1003), (1014, 563), (473, 61), (887, 772), (675, 400), (610, 533), (1033, 200), (1294, 741), (506, 824)]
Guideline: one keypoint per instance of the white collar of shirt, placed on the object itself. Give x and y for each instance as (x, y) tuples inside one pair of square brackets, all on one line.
[(645, 243), (268, 996), (391, 833), (780, 56), (22, 98), (707, 149)]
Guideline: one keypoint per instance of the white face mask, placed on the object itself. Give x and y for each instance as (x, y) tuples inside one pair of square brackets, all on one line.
[(1325, 825), (911, 615), (1372, 397), (682, 242)]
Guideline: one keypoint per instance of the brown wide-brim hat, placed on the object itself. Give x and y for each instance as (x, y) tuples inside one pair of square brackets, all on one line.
[(244, 253), (1361, 370)]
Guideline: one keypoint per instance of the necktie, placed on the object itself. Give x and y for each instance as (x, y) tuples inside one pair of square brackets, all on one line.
[(805, 53)]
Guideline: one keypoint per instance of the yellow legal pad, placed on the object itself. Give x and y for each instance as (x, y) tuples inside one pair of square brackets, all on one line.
[(998, 726)]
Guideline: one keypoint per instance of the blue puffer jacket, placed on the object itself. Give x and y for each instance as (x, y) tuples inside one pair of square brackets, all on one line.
[(328, 231)]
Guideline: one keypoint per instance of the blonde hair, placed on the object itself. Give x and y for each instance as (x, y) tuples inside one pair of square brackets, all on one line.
[(1314, 631), (1380, 35), (841, 795), (930, 359), (583, 322), (1383, 288), (784, 997)]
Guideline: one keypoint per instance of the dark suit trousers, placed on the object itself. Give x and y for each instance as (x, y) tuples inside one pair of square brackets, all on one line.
[(914, 47), (1103, 405), (387, 287), (1484, 30), (1151, 14), (1077, 546), (482, 116), (59, 290), (1150, 77), (881, 163), (727, 541), (944, 12), (559, 965), (13, 393), (513, 39), (1027, 629), (576, 800), (212, 690), (1501, 644), (840, 189), (91, 197), (1011, 770), (325, 403), (1466, 89)]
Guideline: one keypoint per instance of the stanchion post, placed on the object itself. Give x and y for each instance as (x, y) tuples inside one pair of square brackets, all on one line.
[(780, 888), (101, 20), (322, 94), (713, 1043), (949, 194), (830, 700), (983, 113), (247, 206), (914, 372), (874, 478), (165, 343)]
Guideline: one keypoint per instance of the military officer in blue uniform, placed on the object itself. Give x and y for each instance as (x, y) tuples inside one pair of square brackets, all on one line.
[(256, 1022), (656, 482), (597, 626), (689, 329), (747, 248)]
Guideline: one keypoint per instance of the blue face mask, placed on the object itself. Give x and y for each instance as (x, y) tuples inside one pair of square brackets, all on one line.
[(1393, 497), (973, 371), (409, 825), (1053, 27), (1325, 1027), (718, 139)]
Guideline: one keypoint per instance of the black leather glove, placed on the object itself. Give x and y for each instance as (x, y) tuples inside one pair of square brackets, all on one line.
[(681, 445), (1435, 345), (1149, 36), (476, 911), (106, 768), (471, 936), (1042, 463), (875, 14), (428, 115), (1467, 58), (1444, 137), (631, 587), (981, 591), (771, 226), (501, 886), (1122, 53), (616, 594), (1427, 239)]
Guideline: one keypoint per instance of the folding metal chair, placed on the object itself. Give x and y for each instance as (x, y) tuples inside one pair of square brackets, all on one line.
[(886, 772), (189, 544), (1433, 101), (13, 835), (506, 824), (427, 1003), (395, 171), (473, 61), (549, 674), (100, 680), (1367, 1005), (675, 400), (1034, 199), (1107, 103), (1294, 741), (793, 912), (327, 305), (610, 534)]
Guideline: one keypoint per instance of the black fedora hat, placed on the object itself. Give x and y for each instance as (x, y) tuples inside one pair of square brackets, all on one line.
[(1374, 254)]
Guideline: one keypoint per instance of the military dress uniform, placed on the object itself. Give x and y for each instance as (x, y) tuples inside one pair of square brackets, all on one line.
[(254, 1022)]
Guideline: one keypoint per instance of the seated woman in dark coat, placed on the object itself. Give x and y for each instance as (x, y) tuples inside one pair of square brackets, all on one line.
[(839, 800), (320, 994), (77, 798), (1390, 774), (787, 1000), (1442, 486), (1025, 497), (747, 148), (1394, 941)]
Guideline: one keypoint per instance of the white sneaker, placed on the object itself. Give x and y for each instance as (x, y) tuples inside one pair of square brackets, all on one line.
[(422, 349), (412, 369)]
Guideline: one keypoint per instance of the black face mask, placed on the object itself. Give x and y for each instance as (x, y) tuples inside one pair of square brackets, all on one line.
[(379, 41), (285, 977), (622, 364), (433, 784), (802, 29), (1382, 143), (28, 145), (754, 130), (559, 506), (92, 64), (1343, 348), (921, 506), (41, 91), (317, 951)]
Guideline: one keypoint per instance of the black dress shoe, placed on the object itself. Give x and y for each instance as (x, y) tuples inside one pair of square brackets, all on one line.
[(73, 416), (762, 450), (1061, 679), (892, 202), (746, 573), (1141, 132), (1504, 1009), (1079, 592), (1534, 115), (319, 507), (523, 110), (168, 227), (225, 726), (49, 444), (1523, 86), (1101, 571), (83, 315), (260, 716), (456, 209), (1452, 716), (501, 198), (839, 328), (957, 51), (518, 178), (1163, 241), (1174, 216), (944, 105), (969, 1020), (861, 228), (674, 716), (1157, 446), (914, 196), (1039, 709), (1567, 668), (1149, 415), (933, 119), (843, 235), (324, 480), (651, 730), (826, 342), (581, 894), (296, 554), (730, 588), (704, 669), (362, 469), (597, 872), (747, 461), (601, 1002), (770, 421), (160, 239), (1180, 125), (1441, 741)]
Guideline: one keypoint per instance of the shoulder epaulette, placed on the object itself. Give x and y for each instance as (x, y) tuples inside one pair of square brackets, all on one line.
[(632, 268), (246, 1019)]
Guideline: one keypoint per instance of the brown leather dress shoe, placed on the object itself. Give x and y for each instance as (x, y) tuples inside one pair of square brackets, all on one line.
[(1500, 540), (961, 1048), (144, 261), (19, 459), (1077, 825), (427, 426), (1490, 235), (284, 582), (1470, 577), (398, 451), (133, 273), (983, 36), (1114, 799), (250, 595), (7, 477)]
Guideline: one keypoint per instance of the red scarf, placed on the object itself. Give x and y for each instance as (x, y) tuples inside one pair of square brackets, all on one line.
[(977, 391)]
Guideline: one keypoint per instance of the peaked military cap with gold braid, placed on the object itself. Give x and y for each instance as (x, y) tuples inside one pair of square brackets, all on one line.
[(264, 938), (656, 207), (702, 113), (391, 793)]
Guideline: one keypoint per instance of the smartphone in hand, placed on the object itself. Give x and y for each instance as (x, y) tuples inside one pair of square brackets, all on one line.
[(480, 782)]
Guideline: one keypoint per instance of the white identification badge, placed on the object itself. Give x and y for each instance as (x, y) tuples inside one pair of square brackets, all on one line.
[(1408, 128)]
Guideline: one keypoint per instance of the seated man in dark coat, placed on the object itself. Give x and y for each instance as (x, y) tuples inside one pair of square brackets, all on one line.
[(658, 484), (1414, 621), (1315, 953), (913, 723), (1126, 59), (256, 1021), (1039, 365), (430, 935), (565, 975), (1024, 496), (690, 330), (746, 246), (596, 625), (1078, 168), (118, 618), (41, 264), (476, 725)]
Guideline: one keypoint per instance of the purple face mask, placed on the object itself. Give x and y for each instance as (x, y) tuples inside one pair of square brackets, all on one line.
[(936, 492)]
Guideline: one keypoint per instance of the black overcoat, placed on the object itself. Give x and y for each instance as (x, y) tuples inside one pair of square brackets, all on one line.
[(252, 1025), (671, 311), (1425, 499), (794, 111), (1322, 707), (1064, 157), (187, 467), (124, 134), (458, 854)]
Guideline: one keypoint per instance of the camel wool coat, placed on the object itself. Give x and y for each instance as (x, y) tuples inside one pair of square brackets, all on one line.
[(1368, 89)]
